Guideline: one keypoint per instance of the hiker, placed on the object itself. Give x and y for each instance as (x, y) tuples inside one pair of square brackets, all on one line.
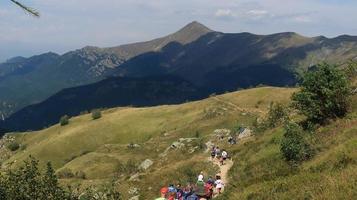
[(179, 192), (213, 153), (200, 189), (171, 192), (224, 156), (187, 191), (231, 140), (193, 196), (164, 191), (200, 177), (219, 184), (218, 153), (209, 188)]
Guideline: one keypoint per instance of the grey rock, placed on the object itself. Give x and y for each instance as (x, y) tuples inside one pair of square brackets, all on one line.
[(246, 133), (146, 164)]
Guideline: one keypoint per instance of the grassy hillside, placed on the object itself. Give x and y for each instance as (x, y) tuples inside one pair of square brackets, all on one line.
[(99, 147), (100, 150), (261, 173)]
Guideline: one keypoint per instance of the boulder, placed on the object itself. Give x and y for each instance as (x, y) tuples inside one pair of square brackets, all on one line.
[(133, 191), (134, 177), (209, 146), (135, 197), (246, 133), (177, 145), (146, 164)]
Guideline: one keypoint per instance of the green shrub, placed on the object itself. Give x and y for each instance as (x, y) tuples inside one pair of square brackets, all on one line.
[(64, 120), (324, 94), (27, 183), (80, 174), (96, 114), (277, 114), (293, 145), (13, 146), (65, 173)]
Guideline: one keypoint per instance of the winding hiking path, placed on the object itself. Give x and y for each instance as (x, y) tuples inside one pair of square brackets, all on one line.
[(223, 169)]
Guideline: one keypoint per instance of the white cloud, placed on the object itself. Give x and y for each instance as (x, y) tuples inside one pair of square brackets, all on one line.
[(257, 12), (225, 13)]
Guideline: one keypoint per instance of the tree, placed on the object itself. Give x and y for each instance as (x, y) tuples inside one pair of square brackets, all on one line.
[(29, 10), (324, 94), (293, 145), (64, 120), (96, 114)]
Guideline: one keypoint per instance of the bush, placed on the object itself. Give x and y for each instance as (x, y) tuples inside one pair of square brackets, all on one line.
[(28, 183), (324, 94), (293, 145), (13, 146), (65, 173), (278, 113), (64, 120), (96, 114), (80, 175)]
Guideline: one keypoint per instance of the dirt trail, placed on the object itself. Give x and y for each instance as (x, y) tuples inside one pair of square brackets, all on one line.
[(223, 169), (236, 107)]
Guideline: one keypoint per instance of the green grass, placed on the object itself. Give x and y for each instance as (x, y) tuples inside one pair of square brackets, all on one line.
[(260, 172), (98, 147)]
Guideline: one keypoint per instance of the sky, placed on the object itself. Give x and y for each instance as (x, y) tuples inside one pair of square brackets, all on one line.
[(67, 25)]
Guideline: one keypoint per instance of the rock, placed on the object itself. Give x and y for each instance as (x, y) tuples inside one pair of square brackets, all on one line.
[(192, 149), (133, 146), (134, 177), (146, 164), (135, 197), (177, 145), (133, 191), (246, 133), (209, 146), (222, 131), (187, 140)]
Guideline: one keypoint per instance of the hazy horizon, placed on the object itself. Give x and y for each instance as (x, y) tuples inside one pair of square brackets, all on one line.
[(66, 26)]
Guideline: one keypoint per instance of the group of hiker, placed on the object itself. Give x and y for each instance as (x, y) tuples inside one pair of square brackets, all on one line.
[(201, 190), (220, 155)]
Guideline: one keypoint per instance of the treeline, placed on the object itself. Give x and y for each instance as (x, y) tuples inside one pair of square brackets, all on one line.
[(29, 183)]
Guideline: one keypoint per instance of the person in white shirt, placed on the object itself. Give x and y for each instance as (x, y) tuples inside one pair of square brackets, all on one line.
[(224, 156), (219, 184), (200, 177)]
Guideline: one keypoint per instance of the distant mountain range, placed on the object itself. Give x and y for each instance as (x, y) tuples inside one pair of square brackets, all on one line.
[(207, 60)]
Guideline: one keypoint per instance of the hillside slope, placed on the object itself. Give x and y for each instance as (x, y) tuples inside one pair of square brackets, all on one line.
[(173, 137), (109, 93), (98, 148)]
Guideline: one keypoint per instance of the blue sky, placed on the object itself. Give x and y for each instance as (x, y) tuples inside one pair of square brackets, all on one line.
[(71, 24)]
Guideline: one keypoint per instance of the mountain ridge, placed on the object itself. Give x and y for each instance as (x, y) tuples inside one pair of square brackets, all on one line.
[(195, 53)]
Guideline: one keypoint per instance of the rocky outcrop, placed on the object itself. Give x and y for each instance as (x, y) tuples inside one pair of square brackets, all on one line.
[(146, 164)]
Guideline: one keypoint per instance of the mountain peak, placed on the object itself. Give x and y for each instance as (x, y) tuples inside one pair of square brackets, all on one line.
[(195, 26)]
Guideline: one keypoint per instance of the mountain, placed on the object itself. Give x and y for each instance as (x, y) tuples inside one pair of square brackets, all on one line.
[(190, 33), (29, 81), (214, 61), (109, 93)]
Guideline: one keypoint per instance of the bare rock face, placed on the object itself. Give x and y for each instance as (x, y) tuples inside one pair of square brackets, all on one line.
[(209, 146), (135, 197), (146, 164), (246, 133)]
